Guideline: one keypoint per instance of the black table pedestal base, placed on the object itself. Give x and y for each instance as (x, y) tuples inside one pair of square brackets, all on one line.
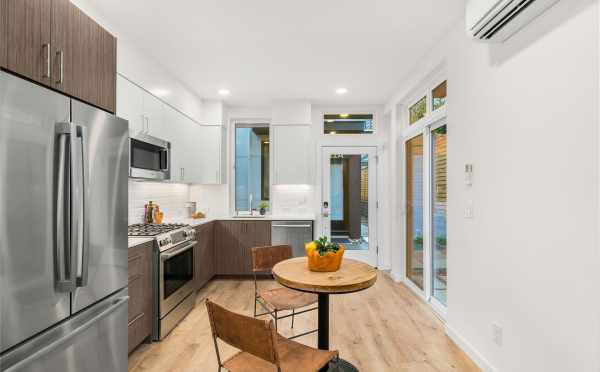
[(341, 365), (336, 365)]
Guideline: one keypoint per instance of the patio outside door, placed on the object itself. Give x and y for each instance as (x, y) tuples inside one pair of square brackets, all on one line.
[(349, 200)]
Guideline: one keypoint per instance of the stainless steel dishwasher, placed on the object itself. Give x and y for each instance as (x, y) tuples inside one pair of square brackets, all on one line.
[(294, 233)]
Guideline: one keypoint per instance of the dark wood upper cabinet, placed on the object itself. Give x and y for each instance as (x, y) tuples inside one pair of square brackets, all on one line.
[(28, 49), (3, 41), (108, 71), (54, 43), (62, 52)]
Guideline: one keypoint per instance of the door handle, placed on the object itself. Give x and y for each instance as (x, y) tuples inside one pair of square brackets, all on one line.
[(61, 69), (83, 245), (72, 210), (60, 339), (296, 226), (64, 264), (47, 73), (187, 247)]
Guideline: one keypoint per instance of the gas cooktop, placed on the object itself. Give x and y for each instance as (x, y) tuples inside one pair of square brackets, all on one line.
[(153, 229)]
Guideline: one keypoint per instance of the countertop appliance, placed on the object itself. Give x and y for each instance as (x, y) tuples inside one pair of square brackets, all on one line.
[(294, 233), (150, 158), (63, 215), (173, 273)]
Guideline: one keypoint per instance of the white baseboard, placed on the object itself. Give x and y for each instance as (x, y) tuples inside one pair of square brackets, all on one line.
[(397, 277), (475, 355)]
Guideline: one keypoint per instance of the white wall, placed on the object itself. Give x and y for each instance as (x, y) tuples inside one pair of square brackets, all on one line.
[(138, 67), (525, 113)]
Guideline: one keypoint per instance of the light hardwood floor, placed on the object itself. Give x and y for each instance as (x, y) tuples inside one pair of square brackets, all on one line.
[(384, 328)]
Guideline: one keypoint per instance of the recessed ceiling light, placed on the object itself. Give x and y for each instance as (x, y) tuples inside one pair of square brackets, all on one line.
[(224, 92), (341, 91)]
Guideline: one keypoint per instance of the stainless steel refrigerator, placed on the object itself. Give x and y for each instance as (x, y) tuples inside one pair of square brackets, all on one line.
[(63, 232)]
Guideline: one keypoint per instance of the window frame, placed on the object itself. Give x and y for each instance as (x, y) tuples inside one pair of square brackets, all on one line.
[(247, 123), (431, 115), (354, 111), (431, 121)]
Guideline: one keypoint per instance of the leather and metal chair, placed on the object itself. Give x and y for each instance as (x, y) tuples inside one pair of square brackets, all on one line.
[(273, 301), (261, 347)]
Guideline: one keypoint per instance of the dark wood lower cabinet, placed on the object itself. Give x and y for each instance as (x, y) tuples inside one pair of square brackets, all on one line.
[(204, 256), (140, 294), (233, 243)]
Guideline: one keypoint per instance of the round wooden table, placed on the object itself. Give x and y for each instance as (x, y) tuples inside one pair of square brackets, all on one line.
[(353, 276)]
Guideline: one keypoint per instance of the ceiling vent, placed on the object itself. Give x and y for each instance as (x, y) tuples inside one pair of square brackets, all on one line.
[(497, 20)]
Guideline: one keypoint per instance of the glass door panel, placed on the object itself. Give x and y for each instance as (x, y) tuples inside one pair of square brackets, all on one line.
[(349, 191), (414, 210), (439, 213)]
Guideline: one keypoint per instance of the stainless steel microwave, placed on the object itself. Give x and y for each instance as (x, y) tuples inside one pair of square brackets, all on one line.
[(149, 158)]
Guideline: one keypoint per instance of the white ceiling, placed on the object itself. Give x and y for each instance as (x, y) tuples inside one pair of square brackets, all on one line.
[(263, 50)]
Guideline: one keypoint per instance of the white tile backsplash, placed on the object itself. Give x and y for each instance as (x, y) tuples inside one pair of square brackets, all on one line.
[(292, 200), (170, 197)]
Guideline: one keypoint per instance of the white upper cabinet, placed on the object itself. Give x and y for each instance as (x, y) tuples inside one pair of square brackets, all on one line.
[(130, 105), (208, 154), (197, 151), (154, 116), (145, 113), (292, 155)]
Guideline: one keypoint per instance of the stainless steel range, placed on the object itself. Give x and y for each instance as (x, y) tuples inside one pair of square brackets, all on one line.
[(173, 273)]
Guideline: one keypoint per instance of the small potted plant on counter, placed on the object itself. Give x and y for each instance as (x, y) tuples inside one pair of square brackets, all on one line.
[(263, 207), (323, 255)]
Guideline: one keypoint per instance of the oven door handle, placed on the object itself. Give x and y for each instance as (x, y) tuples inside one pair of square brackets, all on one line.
[(166, 256)]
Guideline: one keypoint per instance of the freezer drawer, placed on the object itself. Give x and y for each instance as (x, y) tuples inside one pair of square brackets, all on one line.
[(95, 340), (294, 233)]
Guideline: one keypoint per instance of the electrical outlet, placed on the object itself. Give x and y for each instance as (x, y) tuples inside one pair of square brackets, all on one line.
[(469, 209), (497, 334)]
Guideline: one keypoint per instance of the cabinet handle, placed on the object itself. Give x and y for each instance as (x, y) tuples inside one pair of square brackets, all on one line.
[(61, 56), (47, 47), (147, 125)]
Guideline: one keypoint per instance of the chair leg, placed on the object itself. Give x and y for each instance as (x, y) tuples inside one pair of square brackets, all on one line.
[(255, 306), (293, 313), (276, 319)]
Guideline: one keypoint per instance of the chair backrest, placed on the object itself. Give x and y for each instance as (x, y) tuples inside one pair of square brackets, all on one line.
[(254, 336), (264, 258)]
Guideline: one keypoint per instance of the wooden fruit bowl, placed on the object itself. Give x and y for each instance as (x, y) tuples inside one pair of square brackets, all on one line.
[(329, 262)]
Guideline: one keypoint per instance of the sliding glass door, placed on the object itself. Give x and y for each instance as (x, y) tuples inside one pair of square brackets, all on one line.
[(426, 212), (439, 204), (414, 210)]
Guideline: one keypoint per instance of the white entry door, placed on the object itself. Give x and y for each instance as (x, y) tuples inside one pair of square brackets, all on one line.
[(349, 200)]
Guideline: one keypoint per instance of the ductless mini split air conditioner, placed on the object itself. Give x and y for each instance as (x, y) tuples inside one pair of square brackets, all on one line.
[(497, 20)]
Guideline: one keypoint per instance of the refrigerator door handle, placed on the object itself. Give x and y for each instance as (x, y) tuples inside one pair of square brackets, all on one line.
[(64, 263), (83, 243)]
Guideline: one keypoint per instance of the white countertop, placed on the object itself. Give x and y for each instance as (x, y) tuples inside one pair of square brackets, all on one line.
[(134, 241)]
